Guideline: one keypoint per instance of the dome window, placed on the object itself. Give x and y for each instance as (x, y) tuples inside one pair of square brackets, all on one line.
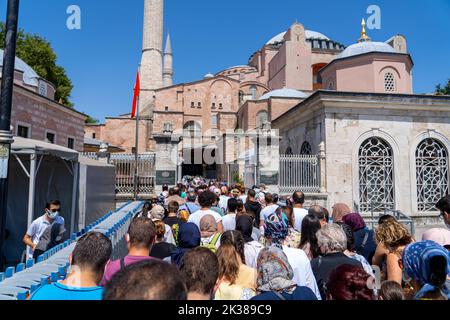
[(389, 82)]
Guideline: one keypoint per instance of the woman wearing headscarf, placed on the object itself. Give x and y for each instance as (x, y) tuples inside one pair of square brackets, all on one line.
[(244, 224), (339, 211), (275, 278), (188, 238), (364, 244), (427, 265), (275, 232), (208, 229)]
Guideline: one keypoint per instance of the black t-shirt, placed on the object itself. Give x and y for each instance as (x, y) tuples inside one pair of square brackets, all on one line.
[(170, 221), (162, 250), (324, 265)]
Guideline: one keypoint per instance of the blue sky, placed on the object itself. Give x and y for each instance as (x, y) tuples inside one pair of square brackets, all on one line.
[(210, 35)]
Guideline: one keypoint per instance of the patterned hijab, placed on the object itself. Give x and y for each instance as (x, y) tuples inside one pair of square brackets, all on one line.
[(276, 228), (416, 263), (274, 271)]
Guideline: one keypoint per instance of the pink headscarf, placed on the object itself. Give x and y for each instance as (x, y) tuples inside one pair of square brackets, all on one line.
[(439, 235), (339, 211)]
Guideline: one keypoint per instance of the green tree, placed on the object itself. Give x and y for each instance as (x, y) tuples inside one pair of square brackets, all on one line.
[(443, 90), (91, 120), (39, 55)]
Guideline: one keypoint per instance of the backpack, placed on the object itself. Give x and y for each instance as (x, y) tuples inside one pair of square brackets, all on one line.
[(212, 244)]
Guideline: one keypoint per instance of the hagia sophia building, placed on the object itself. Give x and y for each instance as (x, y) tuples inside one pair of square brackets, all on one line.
[(286, 70), (379, 143)]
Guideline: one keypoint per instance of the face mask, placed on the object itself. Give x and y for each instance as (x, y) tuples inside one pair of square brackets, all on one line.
[(52, 215)]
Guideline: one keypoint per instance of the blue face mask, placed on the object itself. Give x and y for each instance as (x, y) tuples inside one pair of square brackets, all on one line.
[(52, 215)]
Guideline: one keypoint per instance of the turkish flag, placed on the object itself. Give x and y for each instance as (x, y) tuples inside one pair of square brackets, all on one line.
[(137, 90)]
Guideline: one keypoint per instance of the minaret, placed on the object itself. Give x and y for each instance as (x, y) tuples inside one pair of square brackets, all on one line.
[(151, 63), (168, 64)]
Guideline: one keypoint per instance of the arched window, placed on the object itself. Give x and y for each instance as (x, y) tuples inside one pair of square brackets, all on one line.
[(306, 149), (431, 174), (389, 82), (253, 92), (289, 151), (376, 176), (261, 118), (192, 129)]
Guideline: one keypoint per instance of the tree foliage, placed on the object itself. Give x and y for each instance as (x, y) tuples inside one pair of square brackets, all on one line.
[(39, 55), (443, 90)]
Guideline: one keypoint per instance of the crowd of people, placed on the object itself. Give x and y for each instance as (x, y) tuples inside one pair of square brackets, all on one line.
[(211, 241)]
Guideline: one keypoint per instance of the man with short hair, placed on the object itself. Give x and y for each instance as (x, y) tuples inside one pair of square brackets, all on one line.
[(253, 206), (190, 206), (206, 200), (229, 220), (270, 208), (147, 280), (140, 238), (175, 195), (172, 215), (200, 271), (87, 263), (39, 226), (443, 206), (319, 212), (223, 199), (298, 199)]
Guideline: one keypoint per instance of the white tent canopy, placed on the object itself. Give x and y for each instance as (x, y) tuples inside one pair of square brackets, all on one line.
[(30, 146), (37, 150)]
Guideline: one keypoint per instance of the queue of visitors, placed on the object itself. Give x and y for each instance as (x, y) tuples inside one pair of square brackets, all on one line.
[(200, 241)]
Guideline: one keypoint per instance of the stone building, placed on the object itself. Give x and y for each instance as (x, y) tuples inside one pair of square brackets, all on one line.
[(380, 145), (36, 115)]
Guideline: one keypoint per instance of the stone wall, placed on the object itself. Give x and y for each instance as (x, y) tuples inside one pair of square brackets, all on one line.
[(42, 115)]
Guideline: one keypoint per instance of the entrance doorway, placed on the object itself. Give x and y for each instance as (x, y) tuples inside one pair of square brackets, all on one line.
[(194, 164)]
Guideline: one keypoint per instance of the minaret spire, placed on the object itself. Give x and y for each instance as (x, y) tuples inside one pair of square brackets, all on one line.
[(151, 63), (168, 63), (364, 36)]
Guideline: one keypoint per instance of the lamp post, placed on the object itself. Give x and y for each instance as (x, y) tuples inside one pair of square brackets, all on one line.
[(6, 136)]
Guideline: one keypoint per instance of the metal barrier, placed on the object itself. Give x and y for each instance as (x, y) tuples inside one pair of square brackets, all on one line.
[(299, 172), (125, 164), (20, 282), (372, 218)]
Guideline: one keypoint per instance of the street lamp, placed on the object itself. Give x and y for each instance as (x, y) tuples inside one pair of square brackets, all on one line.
[(6, 135)]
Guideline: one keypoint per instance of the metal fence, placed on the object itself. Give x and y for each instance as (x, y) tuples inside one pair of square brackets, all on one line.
[(299, 172), (125, 173), (371, 218)]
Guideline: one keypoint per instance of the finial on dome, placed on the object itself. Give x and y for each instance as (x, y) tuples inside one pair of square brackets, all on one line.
[(364, 36)]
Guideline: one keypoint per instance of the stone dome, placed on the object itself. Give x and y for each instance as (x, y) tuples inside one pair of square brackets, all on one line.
[(284, 93), (365, 47), (30, 77), (208, 76), (308, 33)]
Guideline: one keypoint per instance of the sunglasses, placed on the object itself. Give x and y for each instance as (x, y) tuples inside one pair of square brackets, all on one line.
[(54, 210)]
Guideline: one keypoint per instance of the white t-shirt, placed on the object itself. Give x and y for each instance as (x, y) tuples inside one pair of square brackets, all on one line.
[(229, 222), (168, 235), (299, 214), (267, 211), (303, 274), (197, 216), (36, 230), (251, 252), (223, 202)]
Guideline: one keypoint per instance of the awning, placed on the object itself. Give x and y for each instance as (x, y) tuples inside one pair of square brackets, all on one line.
[(30, 146)]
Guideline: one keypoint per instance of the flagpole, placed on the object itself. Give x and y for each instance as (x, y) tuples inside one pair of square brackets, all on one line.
[(136, 149)]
